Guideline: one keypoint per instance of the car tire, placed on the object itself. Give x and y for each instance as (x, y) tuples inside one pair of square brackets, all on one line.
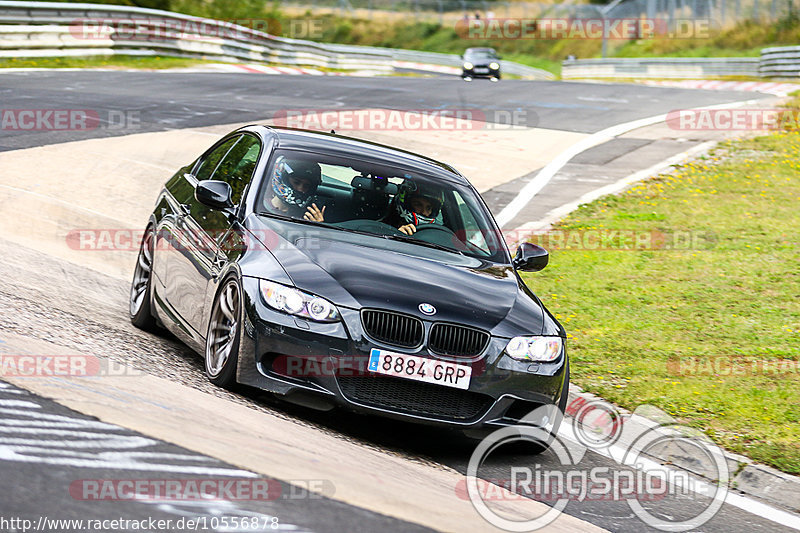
[(222, 337), (142, 284)]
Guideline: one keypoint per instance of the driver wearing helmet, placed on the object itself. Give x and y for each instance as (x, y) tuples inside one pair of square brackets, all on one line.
[(415, 205), (292, 188)]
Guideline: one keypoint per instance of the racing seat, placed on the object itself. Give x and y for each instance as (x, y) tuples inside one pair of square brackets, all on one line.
[(370, 197)]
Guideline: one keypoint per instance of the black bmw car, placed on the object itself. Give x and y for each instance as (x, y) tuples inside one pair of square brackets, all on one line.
[(337, 272), (480, 63)]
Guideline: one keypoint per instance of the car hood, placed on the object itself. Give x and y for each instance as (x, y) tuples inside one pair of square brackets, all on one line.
[(462, 289)]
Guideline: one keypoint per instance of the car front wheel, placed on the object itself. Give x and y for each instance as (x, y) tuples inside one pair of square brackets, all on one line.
[(222, 340)]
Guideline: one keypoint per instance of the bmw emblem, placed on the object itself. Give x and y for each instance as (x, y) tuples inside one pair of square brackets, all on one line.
[(427, 309)]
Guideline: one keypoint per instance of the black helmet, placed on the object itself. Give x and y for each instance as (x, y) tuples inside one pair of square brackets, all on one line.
[(289, 168), (410, 190)]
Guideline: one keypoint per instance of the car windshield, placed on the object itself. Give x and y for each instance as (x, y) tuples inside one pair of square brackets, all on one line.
[(375, 200), (480, 54)]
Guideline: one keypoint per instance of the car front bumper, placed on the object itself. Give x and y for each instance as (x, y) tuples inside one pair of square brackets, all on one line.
[(325, 363), (480, 72)]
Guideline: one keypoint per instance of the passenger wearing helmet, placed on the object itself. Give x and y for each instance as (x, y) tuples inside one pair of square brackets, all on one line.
[(415, 205), (292, 188)]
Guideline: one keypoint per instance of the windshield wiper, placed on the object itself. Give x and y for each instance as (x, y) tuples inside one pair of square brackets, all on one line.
[(406, 238), (300, 220)]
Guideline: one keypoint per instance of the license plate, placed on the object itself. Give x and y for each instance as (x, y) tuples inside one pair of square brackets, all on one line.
[(482, 70), (419, 369)]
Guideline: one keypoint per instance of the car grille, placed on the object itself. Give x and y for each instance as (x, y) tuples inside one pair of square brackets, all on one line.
[(392, 328), (414, 397), (459, 341)]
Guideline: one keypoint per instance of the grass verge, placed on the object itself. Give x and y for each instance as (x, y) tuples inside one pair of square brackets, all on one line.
[(709, 330), (148, 62)]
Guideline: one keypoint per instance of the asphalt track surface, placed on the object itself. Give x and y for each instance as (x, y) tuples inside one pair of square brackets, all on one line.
[(169, 101), (61, 477), (95, 305)]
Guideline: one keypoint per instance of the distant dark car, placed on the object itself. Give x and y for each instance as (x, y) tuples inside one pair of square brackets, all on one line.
[(480, 63), (433, 327)]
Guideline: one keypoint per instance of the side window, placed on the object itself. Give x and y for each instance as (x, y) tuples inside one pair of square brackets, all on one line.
[(473, 231), (210, 161), (236, 168)]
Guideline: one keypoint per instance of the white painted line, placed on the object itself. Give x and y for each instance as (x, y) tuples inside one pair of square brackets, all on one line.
[(551, 169), (546, 174), (560, 212), (763, 510), (18, 403), (617, 453)]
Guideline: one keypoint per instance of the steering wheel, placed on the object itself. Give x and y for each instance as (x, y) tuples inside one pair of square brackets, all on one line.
[(370, 226), (438, 234), (430, 228)]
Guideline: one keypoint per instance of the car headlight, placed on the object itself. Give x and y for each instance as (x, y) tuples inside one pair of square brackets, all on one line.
[(536, 348), (296, 302), (494, 65), (468, 65)]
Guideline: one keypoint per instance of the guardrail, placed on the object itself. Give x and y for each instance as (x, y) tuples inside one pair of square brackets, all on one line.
[(39, 29), (780, 62), (665, 67)]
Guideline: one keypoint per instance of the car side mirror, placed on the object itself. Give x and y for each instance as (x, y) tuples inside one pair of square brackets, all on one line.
[(214, 194), (530, 257)]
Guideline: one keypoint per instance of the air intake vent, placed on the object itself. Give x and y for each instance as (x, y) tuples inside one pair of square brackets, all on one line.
[(457, 341), (393, 328), (415, 398)]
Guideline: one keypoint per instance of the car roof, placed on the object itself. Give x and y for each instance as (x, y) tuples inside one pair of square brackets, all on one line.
[(342, 145)]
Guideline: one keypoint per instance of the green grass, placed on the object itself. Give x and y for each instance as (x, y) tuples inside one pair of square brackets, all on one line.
[(157, 62), (734, 296)]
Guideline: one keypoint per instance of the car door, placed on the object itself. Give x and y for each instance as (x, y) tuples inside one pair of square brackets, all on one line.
[(203, 229)]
